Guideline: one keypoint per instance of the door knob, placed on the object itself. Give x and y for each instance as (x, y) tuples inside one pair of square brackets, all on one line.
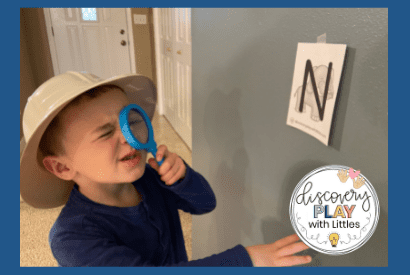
[(122, 31), (179, 52), (123, 42)]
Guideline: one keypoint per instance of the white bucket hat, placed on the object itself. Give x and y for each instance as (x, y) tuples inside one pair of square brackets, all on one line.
[(38, 187)]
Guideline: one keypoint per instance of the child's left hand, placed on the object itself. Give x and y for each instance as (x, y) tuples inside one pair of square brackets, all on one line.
[(172, 169)]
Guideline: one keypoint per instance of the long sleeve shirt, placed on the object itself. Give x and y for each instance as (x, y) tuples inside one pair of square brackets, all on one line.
[(90, 234)]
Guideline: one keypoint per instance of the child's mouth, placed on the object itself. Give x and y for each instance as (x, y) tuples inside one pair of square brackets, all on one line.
[(130, 156), (132, 159)]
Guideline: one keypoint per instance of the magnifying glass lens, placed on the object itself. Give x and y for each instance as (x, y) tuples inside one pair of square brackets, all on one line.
[(138, 126)]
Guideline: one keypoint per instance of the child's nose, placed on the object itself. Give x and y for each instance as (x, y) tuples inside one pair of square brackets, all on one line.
[(121, 136)]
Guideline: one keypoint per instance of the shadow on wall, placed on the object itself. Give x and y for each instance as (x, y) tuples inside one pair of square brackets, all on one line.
[(230, 161), (274, 230), (235, 216), (236, 73)]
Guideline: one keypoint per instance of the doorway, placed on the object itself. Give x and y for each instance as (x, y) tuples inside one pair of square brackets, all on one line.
[(96, 40)]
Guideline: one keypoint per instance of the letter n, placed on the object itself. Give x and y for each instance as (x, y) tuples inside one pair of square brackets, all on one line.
[(309, 70)]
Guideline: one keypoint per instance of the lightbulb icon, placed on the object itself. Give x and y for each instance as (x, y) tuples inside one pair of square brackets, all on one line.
[(334, 238)]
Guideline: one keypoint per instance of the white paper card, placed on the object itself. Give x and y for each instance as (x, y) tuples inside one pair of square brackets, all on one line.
[(325, 63)]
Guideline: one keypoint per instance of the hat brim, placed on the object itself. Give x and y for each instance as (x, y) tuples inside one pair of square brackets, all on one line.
[(40, 188)]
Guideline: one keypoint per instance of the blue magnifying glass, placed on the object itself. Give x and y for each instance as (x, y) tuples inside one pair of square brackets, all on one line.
[(137, 129)]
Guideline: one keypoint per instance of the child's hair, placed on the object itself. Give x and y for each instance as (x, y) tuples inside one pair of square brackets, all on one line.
[(51, 143)]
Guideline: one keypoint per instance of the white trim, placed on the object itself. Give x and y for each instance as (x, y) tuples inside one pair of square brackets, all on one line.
[(131, 41), (157, 39), (53, 51)]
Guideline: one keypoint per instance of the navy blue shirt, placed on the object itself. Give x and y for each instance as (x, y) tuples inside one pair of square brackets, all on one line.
[(87, 233)]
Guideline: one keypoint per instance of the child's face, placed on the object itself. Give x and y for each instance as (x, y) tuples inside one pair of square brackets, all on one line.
[(94, 144)]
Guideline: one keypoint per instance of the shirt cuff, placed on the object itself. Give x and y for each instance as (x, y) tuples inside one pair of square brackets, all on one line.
[(241, 256)]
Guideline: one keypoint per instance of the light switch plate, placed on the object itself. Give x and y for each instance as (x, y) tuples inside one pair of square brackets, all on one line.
[(140, 19)]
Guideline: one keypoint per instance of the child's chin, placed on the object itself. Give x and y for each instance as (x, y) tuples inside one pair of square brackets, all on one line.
[(137, 173)]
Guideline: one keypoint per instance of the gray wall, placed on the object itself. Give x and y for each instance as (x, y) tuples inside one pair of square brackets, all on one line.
[(243, 62)]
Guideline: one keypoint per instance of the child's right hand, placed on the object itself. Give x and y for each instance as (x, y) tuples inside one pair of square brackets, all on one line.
[(279, 253), (172, 169)]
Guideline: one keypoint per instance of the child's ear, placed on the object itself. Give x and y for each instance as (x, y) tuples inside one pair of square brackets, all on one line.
[(58, 167)]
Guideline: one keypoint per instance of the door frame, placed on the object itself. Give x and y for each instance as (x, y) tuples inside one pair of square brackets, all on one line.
[(158, 64), (53, 50), (159, 69)]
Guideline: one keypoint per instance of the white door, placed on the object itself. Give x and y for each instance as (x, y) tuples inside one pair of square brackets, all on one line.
[(91, 39), (176, 66)]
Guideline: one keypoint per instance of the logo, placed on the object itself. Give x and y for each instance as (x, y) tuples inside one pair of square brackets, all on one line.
[(334, 209)]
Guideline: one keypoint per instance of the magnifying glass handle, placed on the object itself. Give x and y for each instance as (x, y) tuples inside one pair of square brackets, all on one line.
[(154, 153)]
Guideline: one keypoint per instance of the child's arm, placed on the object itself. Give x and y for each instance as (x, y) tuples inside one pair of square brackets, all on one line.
[(86, 250), (79, 249), (191, 190)]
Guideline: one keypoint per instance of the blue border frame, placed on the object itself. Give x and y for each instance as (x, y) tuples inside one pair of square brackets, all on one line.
[(398, 149)]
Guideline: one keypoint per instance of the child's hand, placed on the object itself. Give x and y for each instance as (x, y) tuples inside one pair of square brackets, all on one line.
[(172, 169), (279, 253)]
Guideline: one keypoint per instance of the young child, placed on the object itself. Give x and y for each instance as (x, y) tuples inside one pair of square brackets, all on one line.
[(119, 211)]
